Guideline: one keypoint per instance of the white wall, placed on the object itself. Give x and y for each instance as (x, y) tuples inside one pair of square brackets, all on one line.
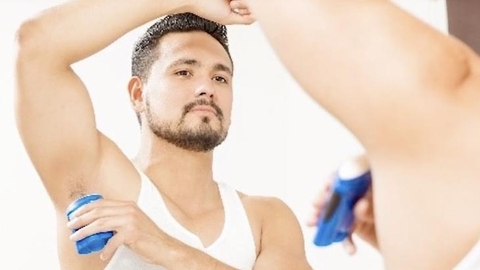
[(280, 143)]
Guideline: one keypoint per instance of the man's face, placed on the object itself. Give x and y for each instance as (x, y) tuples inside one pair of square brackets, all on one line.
[(189, 91)]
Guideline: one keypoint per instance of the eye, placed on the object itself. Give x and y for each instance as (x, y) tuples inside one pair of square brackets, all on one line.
[(183, 73), (220, 79)]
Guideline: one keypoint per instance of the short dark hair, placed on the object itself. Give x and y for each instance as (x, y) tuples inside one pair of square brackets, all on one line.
[(145, 52)]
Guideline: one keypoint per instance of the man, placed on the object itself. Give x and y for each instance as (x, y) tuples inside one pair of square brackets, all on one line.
[(164, 207), (411, 95)]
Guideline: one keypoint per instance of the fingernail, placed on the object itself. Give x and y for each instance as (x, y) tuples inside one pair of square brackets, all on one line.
[(70, 224)]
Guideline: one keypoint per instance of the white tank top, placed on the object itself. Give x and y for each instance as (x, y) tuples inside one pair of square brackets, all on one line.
[(235, 246), (472, 260)]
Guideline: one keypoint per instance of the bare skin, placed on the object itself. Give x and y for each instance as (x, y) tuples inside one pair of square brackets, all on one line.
[(462, 18), (56, 121), (411, 95)]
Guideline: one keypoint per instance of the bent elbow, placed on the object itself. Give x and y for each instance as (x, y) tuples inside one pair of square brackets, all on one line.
[(465, 71), (28, 40), (446, 68)]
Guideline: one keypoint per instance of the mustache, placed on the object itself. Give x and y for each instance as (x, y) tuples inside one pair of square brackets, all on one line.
[(204, 102)]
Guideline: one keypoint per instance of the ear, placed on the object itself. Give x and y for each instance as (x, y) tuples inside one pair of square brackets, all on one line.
[(135, 92)]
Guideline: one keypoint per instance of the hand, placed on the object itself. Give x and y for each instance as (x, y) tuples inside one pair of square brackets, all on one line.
[(364, 224), (224, 11), (131, 227)]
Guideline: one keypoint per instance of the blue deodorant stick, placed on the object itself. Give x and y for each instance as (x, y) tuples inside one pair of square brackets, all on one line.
[(352, 181), (93, 242)]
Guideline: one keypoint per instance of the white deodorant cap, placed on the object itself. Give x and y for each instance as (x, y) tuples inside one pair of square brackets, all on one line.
[(354, 167)]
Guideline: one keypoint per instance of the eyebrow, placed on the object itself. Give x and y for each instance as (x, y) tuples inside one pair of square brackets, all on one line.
[(222, 67), (193, 62)]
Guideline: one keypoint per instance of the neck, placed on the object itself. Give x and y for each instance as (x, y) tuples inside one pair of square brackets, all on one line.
[(178, 173)]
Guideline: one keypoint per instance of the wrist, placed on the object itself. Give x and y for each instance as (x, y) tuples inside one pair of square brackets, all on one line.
[(175, 254), (182, 6)]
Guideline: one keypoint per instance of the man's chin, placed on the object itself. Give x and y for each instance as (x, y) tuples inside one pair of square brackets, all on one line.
[(210, 122)]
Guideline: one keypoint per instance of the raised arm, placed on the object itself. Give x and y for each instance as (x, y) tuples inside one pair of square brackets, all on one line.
[(54, 113), (410, 95), (364, 61)]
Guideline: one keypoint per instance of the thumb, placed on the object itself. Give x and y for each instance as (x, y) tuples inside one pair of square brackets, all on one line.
[(349, 245), (363, 210), (239, 16)]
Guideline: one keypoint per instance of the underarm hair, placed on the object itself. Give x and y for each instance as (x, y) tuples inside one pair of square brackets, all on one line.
[(76, 188)]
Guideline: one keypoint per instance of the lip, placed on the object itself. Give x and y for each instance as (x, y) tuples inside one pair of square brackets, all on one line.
[(203, 108)]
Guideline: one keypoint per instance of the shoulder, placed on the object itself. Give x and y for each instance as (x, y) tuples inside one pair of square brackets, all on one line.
[(262, 210), (264, 202), (281, 236), (266, 207)]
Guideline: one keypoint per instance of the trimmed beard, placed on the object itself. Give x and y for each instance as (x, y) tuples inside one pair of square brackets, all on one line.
[(201, 139)]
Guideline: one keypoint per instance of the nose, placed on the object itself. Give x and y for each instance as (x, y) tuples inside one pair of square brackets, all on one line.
[(205, 89)]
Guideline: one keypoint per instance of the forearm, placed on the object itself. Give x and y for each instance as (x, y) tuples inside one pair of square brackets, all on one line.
[(77, 29), (182, 256)]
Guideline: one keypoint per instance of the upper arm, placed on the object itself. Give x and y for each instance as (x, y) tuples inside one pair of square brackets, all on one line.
[(54, 117), (282, 244), (369, 63)]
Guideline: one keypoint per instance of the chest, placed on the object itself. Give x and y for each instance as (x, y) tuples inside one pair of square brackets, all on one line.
[(218, 226)]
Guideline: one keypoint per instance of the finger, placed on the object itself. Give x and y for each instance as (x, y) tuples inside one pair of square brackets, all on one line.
[(322, 197), (363, 211), (111, 246), (321, 200), (325, 191), (317, 211), (328, 182), (105, 224), (349, 245), (242, 12), (95, 204), (238, 4), (313, 220), (85, 208), (236, 18), (96, 213)]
